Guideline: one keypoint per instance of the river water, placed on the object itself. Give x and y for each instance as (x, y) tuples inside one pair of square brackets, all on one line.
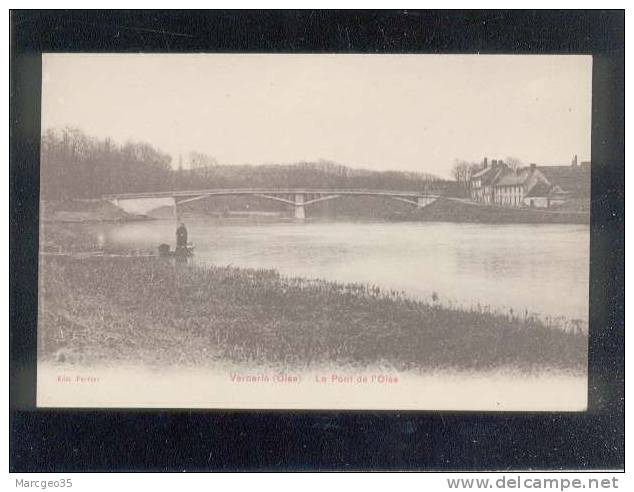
[(539, 268)]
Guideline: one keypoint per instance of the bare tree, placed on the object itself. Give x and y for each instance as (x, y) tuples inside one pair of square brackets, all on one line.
[(200, 161), (74, 165), (462, 172), (514, 163)]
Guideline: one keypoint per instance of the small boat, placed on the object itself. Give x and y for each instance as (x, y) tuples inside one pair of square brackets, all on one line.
[(165, 250)]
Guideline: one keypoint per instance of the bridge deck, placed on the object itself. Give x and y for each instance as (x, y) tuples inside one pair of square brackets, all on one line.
[(268, 191)]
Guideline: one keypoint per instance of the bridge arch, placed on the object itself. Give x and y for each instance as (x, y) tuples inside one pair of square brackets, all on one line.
[(298, 197)]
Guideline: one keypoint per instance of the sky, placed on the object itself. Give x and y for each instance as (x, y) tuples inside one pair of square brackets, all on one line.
[(401, 112)]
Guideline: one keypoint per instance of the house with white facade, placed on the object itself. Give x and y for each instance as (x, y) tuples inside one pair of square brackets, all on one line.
[(481, 183), (533, 186)]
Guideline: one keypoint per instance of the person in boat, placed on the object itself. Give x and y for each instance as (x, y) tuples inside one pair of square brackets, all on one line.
[(181, 238)]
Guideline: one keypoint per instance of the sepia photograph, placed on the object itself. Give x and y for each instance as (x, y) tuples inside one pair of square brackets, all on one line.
[(314, 231)]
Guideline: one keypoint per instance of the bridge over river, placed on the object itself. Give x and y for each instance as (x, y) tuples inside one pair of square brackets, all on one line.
[(298, 198)]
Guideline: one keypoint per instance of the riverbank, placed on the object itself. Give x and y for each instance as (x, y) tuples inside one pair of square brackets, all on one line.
[(443, 209), (75, 211), (106, 310), (462, 210)]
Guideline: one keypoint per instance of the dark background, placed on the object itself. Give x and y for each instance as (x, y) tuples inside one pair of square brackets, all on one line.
[(94, 440)]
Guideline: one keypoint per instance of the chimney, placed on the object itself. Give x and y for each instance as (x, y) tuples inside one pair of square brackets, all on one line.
[(574, 161), (485, 163)]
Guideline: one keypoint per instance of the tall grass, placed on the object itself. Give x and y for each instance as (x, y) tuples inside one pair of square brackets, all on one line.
[(156, 312)]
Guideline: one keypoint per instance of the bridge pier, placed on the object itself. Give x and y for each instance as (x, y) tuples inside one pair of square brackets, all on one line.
[(300, 213), (297, 198)]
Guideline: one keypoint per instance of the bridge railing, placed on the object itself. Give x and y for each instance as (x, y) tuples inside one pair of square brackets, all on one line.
[(272, 191)]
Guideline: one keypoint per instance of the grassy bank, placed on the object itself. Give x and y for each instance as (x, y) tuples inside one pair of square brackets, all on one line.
[(70, 211), (154, 312)]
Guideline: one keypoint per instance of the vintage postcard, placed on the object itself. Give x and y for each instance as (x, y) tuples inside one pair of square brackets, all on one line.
[(314, 231)]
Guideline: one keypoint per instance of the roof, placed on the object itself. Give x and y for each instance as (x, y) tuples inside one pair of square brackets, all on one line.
[(540, 189), (490, 174), (571, 179), (481, 172), (512, 179)]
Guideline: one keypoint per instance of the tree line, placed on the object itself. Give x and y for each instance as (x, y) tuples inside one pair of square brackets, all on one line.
[(75, 165)]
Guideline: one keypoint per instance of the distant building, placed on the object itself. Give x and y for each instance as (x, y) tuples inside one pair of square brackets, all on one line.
[(509, 189), (533, 186), (562, 185), (538, 196), (481, 183)]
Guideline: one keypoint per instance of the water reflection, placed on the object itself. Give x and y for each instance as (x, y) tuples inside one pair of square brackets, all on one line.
[(539, 268)]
